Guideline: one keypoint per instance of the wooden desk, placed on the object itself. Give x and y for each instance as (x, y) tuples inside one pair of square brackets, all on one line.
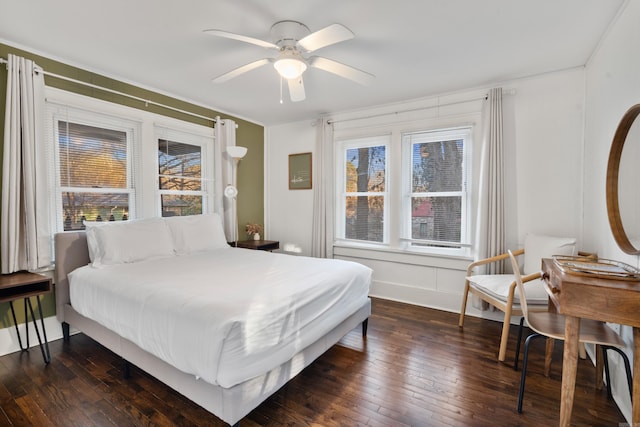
[(575, 296), (261, 245), (23, 285)]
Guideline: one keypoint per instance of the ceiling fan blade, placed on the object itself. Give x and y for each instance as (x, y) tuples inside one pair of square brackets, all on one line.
[(332, 34), (341, 70), (246, 39), (241, 70), (296, 89)]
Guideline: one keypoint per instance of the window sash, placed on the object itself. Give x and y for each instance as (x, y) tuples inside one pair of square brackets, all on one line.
[(185, 200), (174, 169), (92, 129), (374, 229), (460, 245), (114, 207)]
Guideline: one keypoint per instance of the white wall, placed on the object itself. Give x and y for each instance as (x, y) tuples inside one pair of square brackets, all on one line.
[(612, 86), (547, 126), (543, 123), (288, 213)]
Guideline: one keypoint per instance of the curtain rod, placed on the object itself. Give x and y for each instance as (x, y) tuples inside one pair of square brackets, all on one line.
[(115, 92), (372, 116)]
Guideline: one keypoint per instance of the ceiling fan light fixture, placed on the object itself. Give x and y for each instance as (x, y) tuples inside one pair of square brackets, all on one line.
[(290, 68)]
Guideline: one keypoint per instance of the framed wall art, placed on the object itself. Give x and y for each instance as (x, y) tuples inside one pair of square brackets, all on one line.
[(300, 171)]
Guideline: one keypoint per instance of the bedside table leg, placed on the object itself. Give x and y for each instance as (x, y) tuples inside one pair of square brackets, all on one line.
[(15, 322), (47, 356)]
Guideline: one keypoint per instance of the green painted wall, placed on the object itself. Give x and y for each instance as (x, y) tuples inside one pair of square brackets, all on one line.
[(250, 135)]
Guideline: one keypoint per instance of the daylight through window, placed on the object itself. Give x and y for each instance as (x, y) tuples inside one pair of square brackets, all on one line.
[(95, 179), (438, 197), (405, 191), (180, 178)]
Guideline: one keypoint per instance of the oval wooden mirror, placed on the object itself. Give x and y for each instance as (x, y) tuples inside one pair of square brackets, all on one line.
[(623, 183)]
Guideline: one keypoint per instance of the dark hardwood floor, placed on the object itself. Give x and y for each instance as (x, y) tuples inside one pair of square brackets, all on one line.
[(415, 368)]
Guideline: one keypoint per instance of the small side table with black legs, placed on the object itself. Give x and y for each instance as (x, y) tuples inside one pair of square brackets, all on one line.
[(24, 285)]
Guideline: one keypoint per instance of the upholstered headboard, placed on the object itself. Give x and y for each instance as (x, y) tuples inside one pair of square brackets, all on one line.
[(71, 252)]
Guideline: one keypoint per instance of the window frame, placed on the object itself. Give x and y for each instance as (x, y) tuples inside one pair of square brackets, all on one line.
[(71, 114), (396, 245), (186, 137), (383, 140), (144, 147), (464, 133)]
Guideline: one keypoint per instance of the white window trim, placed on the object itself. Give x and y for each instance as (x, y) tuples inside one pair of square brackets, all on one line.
[(190, 136), (145, 169), (342, 146), (58, 112), (395, 244), (464, 249)]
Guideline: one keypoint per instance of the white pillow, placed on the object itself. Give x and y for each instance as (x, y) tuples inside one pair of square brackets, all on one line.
[(196, 233), (92, 241), (537, 247), (129, 241)]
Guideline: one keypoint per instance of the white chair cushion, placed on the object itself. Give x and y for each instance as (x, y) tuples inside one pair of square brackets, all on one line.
[(497, 285), (537, 247)]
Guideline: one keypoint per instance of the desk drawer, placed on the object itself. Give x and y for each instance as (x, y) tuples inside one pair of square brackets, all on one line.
[(553, 285)]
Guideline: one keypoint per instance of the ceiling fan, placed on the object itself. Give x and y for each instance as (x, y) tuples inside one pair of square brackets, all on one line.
[(294, 41)]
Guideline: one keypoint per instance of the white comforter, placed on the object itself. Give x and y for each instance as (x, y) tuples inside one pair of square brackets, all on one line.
[(225, 315)]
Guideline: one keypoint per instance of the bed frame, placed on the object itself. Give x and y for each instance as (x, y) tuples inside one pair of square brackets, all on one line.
[(229, 404)]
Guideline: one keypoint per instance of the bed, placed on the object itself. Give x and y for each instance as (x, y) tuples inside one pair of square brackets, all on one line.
[(226, 327)]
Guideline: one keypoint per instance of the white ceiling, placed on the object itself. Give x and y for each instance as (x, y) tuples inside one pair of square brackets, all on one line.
[(415, 48)]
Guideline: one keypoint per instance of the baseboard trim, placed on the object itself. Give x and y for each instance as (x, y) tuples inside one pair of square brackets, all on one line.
[(9, 338)]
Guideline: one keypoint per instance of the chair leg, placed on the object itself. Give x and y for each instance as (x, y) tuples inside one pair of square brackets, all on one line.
[(520, 329), (582, 351), (548, 355), (627, 368), (524, 368), (606, 370), (504, 339), (600, 356), (463, 309)]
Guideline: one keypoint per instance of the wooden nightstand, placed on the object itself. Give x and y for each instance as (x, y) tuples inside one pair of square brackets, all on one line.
[(23, 285), (260, 245)]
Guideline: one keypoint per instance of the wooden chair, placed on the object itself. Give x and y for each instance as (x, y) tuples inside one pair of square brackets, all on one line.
[(548, 324), (499, 290)]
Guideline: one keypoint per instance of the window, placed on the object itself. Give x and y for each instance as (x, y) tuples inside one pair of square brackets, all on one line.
[(405, 191), (363, 190), (436, 207), (181, 187), (108, 162), (93, 168)]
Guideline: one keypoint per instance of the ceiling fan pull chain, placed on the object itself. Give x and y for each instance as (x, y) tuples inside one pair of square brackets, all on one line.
[(281, 90)]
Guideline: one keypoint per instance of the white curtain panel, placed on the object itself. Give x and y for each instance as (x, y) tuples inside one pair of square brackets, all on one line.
[(322, 226), (490, 230), (218, 181), (225, 137), (25, 243)]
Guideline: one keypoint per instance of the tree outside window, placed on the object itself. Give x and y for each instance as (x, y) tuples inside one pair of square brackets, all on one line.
[(94, 176), (180, 178), (365, 185), (438, 193)]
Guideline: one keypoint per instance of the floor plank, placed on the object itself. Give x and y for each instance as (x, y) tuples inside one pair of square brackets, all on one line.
[(415, 368)]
